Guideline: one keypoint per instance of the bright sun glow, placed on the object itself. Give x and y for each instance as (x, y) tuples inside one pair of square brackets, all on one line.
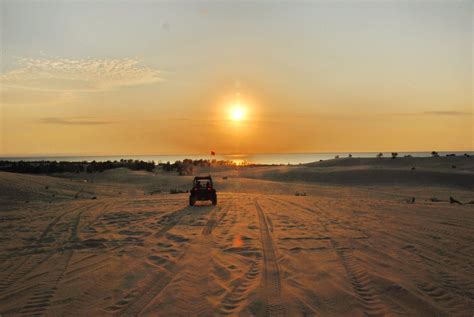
[(237, 113)]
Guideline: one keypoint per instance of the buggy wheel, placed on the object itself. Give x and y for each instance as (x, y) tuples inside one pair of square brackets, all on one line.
[(192, 200), (214, 200)]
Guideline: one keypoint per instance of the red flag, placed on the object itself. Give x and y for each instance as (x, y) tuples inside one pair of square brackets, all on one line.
[(213, 153)]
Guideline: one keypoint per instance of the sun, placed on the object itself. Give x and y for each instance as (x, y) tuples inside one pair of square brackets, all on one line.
[(237, 113)]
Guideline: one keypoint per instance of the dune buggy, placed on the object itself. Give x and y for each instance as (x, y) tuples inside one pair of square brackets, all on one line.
[(203, 189)]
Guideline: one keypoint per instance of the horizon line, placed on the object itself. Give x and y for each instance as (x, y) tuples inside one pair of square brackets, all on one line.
[(223, 154)]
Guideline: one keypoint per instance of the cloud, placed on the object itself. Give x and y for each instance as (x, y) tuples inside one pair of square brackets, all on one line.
[(73, 121), (436, 113), (88, 74), (448, 113)]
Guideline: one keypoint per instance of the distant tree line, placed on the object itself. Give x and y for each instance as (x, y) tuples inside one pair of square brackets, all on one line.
[(188, 166), (49, 167), (433, 154)]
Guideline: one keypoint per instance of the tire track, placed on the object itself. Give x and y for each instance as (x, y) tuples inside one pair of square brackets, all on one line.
[(237, 294), (214, 219), (358, 276), (40, 300), (211, 222), (74, 237), (193, 275), (47, 284), (456, 300), (431, 253), (106, 206), (456, 294), (161, 279), (27, 266), (34, 261), (360, 281), (50, 226), (149, 292), (196, 273), (438, 230), (435, 242), (171, 220), (271, 271)]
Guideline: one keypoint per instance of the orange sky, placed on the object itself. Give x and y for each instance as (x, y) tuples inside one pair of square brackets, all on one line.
[(137, 78)]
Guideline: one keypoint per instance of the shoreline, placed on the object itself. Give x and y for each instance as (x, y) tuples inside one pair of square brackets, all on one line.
[(239, 158)]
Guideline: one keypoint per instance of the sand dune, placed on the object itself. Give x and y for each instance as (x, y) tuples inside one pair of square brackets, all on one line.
[(444, 162), (442, 171), (369, 176), (137, 250)]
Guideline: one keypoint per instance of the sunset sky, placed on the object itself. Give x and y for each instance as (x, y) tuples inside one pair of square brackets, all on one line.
[(156, 77)]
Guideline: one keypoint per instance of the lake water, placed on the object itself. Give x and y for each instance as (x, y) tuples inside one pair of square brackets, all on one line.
[(280, 158)]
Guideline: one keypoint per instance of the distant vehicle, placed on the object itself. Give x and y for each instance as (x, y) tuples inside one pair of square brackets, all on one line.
[(203, 189)]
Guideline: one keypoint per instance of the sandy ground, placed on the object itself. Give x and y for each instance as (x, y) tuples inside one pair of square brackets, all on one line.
[(137, 250)]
